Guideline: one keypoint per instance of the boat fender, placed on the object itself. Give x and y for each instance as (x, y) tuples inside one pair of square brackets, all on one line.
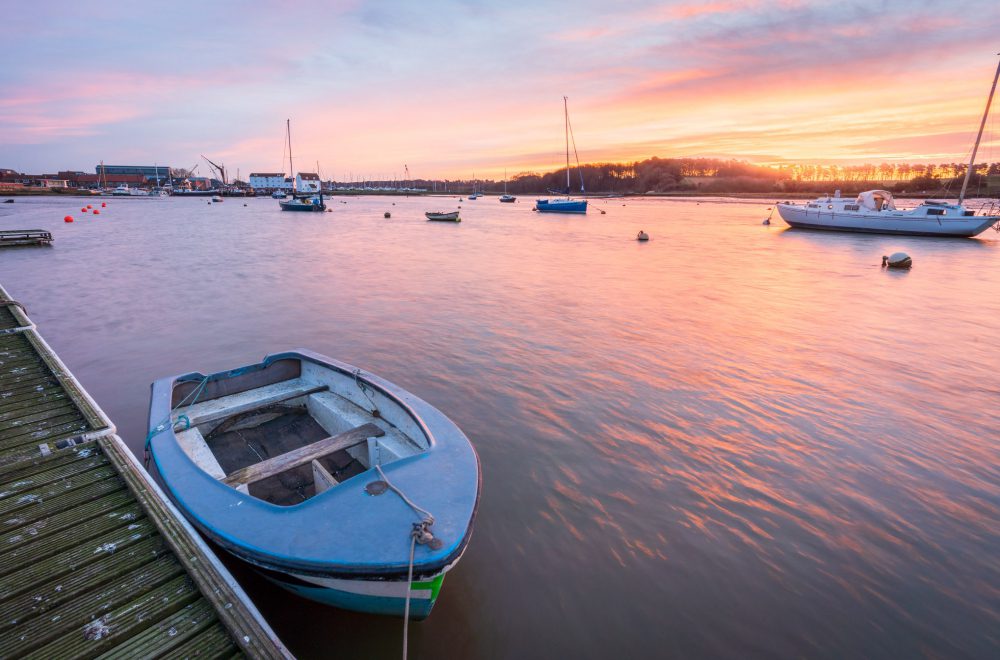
[(897, 260)]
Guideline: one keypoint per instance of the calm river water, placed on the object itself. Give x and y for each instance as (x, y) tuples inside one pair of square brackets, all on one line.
[(734, 440)]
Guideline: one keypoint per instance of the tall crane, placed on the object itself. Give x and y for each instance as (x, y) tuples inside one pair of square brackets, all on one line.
[(221, 169)]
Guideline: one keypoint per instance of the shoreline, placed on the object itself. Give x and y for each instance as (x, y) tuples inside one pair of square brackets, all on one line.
[(774, 195)]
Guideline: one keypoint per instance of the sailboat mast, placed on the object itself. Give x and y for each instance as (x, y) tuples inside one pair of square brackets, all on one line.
[(982, 125), (291, 168), (566, 121)]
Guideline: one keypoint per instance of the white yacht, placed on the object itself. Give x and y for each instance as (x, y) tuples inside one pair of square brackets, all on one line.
[(874, 211)]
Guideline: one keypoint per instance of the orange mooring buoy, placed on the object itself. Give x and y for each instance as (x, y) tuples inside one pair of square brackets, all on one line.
[(89, 206), (83, 209), (68, 218), (96, 212), (103, 204)]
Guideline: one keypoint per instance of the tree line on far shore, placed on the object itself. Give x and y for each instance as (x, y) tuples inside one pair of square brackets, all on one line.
[(666, 175)]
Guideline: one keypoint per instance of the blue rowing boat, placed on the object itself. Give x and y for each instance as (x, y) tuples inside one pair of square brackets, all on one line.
[(332, 482)]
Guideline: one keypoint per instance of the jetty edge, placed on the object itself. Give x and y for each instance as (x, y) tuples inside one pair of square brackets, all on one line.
[(94, 559)]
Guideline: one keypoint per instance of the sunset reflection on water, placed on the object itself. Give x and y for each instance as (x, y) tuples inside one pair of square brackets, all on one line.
[(733, 440)]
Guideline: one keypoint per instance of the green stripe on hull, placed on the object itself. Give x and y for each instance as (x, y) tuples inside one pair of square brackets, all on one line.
[(434, 585)]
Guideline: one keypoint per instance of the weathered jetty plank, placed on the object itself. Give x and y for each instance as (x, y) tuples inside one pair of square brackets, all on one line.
[(14, 237), (94, 560)]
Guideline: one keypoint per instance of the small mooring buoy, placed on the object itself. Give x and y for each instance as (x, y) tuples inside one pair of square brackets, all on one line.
[(642, 236), (767, 220), (83, 209), (387, 214), (244, 205), (603, 212), (897, 260), (89, 206), (68, 218), (103, 204), (96, 212)]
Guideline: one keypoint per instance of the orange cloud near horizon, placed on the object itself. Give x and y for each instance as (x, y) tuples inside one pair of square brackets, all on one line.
[(765, 82)]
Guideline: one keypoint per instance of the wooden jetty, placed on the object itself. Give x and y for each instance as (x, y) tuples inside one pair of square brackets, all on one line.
[(12, 237), (94, 559)]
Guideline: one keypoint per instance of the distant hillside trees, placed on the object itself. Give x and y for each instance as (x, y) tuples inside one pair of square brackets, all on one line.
[(665, 175)]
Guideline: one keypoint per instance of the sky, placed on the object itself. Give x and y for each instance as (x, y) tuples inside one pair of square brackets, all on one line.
[(455, 89)]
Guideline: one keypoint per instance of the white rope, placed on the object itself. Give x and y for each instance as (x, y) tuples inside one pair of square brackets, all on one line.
[(427, 517), (421, 534), (409, 587)]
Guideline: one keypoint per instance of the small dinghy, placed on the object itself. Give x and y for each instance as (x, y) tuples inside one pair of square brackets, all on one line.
[(441, 215), (332, 482)]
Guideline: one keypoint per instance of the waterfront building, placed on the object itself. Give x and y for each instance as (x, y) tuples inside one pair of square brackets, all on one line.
[(148, 171), (267, 180), (307, 182), (82, 180)]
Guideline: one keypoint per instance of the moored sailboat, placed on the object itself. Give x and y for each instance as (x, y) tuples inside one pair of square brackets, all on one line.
[(505, 197), (300, 201), (566, 205), (875, 212)]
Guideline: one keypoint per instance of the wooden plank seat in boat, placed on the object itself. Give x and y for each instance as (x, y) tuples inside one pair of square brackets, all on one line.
[(303, 455), (335, 414), (233, 404)]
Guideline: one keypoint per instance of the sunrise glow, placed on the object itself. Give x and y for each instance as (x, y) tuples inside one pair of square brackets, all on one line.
[(456, 88)]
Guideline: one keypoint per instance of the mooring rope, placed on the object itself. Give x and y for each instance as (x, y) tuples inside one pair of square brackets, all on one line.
[(409, 583), (163, 425), (420, 533), (14, 302)]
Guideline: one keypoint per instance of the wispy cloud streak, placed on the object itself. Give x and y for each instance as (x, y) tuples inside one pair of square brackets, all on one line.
[(449, 86)]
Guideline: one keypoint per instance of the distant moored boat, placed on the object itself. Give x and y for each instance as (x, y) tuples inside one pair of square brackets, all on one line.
[(565, 205), (451, 216)]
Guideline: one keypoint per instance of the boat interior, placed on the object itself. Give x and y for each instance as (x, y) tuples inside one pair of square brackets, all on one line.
[(290, 430)]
